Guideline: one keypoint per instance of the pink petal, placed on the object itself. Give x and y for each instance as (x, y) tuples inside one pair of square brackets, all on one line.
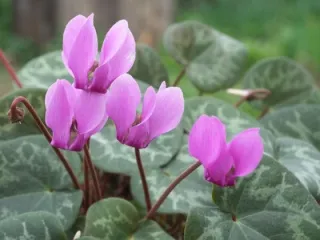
[(207, 138), (59, 112), (117, 56), (246, 149), (70, 33), (217, 170), (163, 86), (122, 103), (149, 103), (114, 40), (138, 136), (90, 111), (83, 52), (167, 112)]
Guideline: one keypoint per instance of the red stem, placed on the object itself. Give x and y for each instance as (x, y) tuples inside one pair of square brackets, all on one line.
[(143, 179), (94, 173), (179, 77), (42, 127), (164, 195), (9, 68)]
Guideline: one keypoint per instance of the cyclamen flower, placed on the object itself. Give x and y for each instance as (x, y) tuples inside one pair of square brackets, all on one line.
[(224, 162), (80, 47), (161, 112), (70, 110)]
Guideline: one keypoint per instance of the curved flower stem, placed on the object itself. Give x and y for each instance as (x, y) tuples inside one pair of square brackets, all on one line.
[(94, 173), (178, 79), (14, 112), (143, 179), (9, 68), (241, 101), (164, 195)]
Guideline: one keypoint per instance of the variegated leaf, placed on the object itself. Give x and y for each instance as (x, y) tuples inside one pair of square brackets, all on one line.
[(269, 204), (44, 70), (110, 155), (299, 121), (288, 81), (148, 66), (32, 226), (32, 179), (115, 218), (27, 126), (213, 60), (303, 160)]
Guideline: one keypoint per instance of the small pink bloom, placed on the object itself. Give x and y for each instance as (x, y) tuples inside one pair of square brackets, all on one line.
[(80, 47), (161, 111), (224, 162), (73, 110)]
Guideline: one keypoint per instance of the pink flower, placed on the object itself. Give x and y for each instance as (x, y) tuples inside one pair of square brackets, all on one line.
[(80, 47), (70, 110), (224, 162), (161, 111)]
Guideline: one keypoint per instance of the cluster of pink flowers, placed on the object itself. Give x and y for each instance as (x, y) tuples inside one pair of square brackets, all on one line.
[(103, 89)]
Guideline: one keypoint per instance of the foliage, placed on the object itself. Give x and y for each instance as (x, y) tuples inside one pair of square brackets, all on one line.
[(277, 201)]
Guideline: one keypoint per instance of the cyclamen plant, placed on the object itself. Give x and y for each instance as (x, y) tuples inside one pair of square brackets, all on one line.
[(119, 164)]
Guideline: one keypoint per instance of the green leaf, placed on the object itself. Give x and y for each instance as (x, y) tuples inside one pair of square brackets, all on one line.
[(148, 66), (303, 160), (32, 179), (32, 226), (269, 204), (110, 155), (299, 121), (213, 60), (192, 191), (43, 71), (115, 218), (288, 81), (235, 120), (10, 130)]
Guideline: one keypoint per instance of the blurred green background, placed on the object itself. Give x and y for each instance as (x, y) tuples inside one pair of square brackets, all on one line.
[(267, 27)]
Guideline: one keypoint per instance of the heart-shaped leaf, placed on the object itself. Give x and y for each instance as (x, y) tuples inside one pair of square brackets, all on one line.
[(33, 179), (32, 226), (269, 204), (213, 60), (303, 160), (110, 155), (115, 218), (289, 82), (148, 66), (44, 70), (10, 130), (299, 121)]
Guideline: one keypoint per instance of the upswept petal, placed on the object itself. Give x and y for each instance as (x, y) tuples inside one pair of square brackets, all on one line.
[(246, 149), (163, 86), (167, 112), (59, 112), (122, 102), (149, 103), (116, 58), (207, 138), (83, 52), (113, 40), (71, 32)]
